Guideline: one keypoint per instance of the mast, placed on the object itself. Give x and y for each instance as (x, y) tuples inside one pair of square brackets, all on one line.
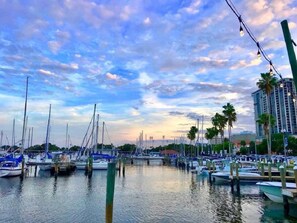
[(24, 127), (93, 129), (66, 143), (31, 137), (48, 130), (97, 132), (102, 137), (13, 134)]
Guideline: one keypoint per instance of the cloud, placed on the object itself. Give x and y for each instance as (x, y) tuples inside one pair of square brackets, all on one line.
[(45, 72)]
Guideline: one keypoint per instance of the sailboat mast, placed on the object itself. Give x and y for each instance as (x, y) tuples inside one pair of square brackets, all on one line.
[(66, 142), (24, 120), (48, 130), (13, 134), (93, 129), (97, 132), (31, 137), (102, 137)]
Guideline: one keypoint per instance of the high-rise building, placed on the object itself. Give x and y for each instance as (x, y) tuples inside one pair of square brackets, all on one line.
[(282, 107)]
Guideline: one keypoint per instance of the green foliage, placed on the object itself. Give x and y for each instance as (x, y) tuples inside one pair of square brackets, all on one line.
[(243, 143), (127, 148), (192, 133), (243, 150)]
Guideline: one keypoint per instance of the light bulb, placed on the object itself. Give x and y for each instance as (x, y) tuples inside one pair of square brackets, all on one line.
[(270, 72), (289, 93), (281, 85), (241, 31), (259, 54)]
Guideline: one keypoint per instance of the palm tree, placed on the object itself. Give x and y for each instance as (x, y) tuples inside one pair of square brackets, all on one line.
[(230, 114), (192, 135), (266, 84), (266, 120), (219, 121), (210, 134)]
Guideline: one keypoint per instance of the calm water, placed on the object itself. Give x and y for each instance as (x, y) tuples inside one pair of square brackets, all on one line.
[(146, 194)]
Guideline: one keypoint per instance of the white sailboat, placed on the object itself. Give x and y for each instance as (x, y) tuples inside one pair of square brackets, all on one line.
[(44, 162)]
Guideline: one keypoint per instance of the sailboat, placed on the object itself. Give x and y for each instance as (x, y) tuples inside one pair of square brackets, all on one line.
[(44, 162), (100, 161), (16, 166)]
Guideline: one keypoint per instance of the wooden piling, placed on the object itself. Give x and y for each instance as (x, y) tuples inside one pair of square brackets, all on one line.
[(110, 192), (262, 168), (269, 170), (23, 168), (124, 162), (285, 198), (35, 171), (295, 174), (237, 176), (231, 177)]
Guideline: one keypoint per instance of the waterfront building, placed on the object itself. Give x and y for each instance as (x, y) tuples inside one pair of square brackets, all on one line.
[(282, 107)]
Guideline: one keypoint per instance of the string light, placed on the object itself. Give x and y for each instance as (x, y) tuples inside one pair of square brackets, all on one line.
[(243, 26), (258, 53), (240, 27), (270, 69)]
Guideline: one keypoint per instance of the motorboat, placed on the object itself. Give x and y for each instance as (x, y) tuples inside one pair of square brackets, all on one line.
[(273, 190)]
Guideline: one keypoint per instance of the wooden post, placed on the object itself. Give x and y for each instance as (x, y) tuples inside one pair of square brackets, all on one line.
[(208, 164), (269, 170), (110, 192), (56, 169), (237, 176), (231, 168), (213, 167), (285, 198), (124, 162), (231, 176), (295, 174), (262, 168), (90, 166), (35, 172)]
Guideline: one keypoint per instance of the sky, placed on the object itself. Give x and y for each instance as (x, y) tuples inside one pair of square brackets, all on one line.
[(153, 66)]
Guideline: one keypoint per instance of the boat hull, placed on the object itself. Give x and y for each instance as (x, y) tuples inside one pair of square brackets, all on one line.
[(273, 190)]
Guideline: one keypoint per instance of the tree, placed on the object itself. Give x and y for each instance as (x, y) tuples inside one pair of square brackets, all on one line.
[(266, 120), (266, 84), (230, 114), (192, 135), (210, 134), (220, 121)]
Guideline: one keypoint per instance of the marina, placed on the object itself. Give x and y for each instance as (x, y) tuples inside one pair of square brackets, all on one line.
[(147, 193)]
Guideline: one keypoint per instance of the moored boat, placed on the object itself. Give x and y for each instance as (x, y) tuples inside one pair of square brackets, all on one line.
[(273, 190), (11, 168)]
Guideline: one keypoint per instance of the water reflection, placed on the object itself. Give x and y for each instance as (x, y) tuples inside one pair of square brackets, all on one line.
[(54, 185)]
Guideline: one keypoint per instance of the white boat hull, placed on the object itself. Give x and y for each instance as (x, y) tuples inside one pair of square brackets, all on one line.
[(10, 172), (273, 190)]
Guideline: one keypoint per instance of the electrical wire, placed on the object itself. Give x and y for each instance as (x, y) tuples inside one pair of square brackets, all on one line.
[(249, 32)]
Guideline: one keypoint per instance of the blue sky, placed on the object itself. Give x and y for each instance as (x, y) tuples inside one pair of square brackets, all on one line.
[(152, 66)]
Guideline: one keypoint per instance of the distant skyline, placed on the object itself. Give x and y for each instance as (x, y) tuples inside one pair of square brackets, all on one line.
[(151, 66)]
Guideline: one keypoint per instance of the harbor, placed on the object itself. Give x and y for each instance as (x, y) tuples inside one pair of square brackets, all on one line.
[(146, 193)]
